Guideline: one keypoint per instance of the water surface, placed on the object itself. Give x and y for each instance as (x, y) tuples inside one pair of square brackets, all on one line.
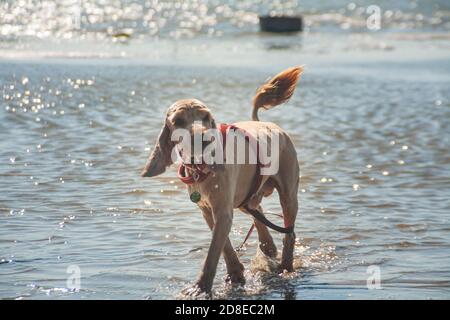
[(370, 121)]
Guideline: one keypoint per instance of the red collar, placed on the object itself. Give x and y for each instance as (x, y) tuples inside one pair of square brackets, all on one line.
[(191, 173)]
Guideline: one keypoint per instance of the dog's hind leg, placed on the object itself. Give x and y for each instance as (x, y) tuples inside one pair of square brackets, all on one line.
[(266, 243), (235, 269), (287, 190)]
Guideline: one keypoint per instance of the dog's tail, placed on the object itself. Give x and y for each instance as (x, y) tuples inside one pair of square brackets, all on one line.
[(276, 91)]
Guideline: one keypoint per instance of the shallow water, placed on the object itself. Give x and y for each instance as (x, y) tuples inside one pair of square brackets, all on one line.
[(370, 121)]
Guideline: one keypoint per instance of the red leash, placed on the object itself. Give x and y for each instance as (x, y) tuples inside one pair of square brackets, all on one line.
[(246, 237)]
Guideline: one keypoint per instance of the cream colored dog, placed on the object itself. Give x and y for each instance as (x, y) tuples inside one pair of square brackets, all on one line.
[(230, 184)]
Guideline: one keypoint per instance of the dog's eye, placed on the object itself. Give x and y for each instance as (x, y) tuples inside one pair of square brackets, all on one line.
[(178, 122)]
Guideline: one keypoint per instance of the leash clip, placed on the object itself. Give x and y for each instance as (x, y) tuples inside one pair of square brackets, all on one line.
[(195, 176)]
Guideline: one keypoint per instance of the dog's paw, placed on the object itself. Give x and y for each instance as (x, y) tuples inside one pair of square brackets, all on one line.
[(235, 278), (192, 291), (264, 263), (197, 291), (285, 269), (269, 249)]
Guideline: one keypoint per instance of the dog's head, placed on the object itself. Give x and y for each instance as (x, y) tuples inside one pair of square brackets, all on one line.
[(189, 114)]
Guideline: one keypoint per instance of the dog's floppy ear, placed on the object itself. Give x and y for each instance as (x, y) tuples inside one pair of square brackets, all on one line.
[(213, 123), (160, 158)]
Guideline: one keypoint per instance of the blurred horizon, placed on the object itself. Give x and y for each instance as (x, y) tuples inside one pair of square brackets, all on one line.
[(103, 19), (218, 32)]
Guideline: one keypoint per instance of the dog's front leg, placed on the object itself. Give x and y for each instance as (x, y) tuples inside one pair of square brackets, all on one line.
[(223, 216), (235, 269)]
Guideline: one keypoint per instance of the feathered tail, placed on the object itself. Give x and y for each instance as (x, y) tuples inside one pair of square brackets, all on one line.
[(276, 91)]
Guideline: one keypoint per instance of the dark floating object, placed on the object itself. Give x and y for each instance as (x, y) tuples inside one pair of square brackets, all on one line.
[(281, 23), (121, 35)]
